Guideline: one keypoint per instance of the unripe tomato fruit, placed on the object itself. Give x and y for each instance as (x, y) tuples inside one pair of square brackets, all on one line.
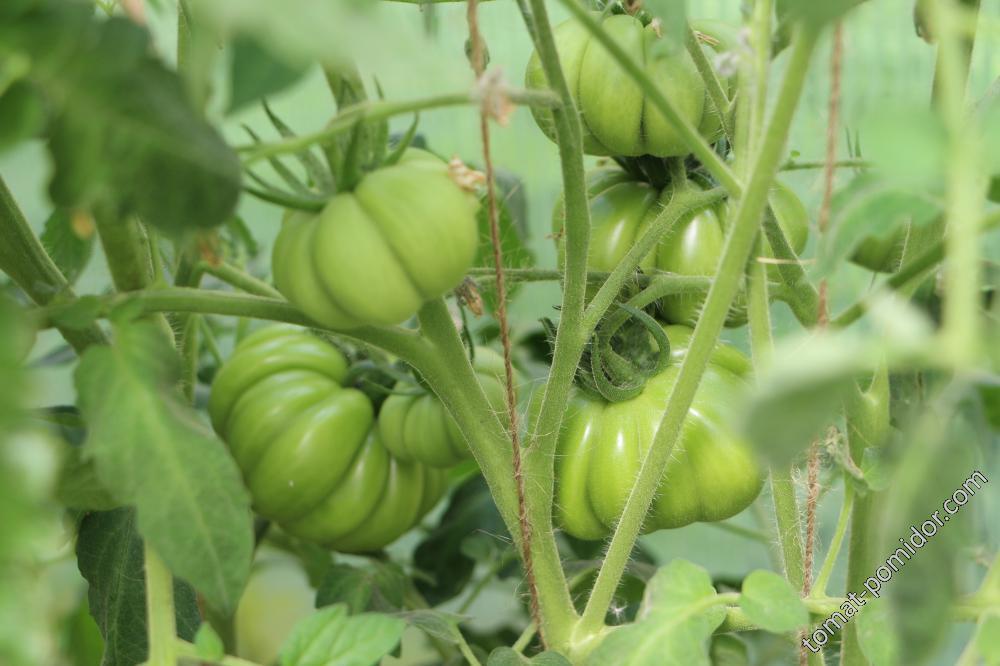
[(617, 118), (419, 428), (622, 208), (405, 235), (307, 447), (712, 473)]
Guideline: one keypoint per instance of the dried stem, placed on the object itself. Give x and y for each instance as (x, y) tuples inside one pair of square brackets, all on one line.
[(478, 66)]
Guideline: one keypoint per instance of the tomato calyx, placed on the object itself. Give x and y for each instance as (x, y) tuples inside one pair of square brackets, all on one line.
[(628, 348), (378, 381)]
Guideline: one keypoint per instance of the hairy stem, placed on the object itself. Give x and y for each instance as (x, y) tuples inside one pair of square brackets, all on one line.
[(161, 623), (23, 258)]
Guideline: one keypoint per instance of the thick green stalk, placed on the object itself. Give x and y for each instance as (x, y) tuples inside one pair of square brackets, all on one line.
[(23, 258), (348, 118), (965, 186), (161, 623), (454, 381), (126, 246), (401, 342), (739, 242), (683, 284), (800, 296)]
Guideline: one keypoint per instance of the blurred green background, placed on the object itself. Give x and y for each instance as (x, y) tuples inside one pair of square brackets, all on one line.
[(417, 53)]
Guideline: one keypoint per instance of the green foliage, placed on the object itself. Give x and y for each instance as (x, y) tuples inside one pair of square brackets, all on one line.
[(121, 130), (331, 637), (256, 72), (771, 602), (377, 586), (674, 622), (471, 516), (153, 451), (69, 240), (110, 554)]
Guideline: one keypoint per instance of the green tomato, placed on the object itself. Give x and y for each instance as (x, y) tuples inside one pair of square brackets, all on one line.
[(617, 118), (712, 473), (277, 597), (406, 234), (419, 428), (309, 453), (621, 210)]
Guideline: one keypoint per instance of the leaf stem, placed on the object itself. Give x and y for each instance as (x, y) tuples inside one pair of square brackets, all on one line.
[(739, 242), (25, 260), (161, 623), (348, 118), (717, 96), (240, 279), (819, 587)]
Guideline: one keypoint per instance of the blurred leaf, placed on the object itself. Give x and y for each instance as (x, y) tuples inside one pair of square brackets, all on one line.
[(505, 656), (877, 643), (909, 146), (82, 636), (802, 390), (378, 586), (936, 455), (470, 512), (436, 624), (988, 638), (256, 72), (728, 650), (331, 637), (122, 129), (110, 555), (672, 16), (872, 206), (79, 487), (152, 450), (69, 240), (813, 12), (672, 630), (22, 114), (208, 644), (770, 602)]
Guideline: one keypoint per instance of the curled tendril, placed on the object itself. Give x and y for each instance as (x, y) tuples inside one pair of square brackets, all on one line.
[(617, 377)]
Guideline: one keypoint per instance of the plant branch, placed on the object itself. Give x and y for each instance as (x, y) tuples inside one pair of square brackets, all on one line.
[(23, 258), (348, 118), (161, 623), (825, 571), (739, 242)]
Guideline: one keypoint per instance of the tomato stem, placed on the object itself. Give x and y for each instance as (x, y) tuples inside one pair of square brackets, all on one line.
[(161, 623)]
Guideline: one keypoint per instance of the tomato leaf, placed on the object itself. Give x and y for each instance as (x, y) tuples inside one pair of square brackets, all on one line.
[(770, 602), (873, 627), (22, 114), (331, 637), (154, 451), (378, 586), (110, 555), (471, 513), (872, 206), (256, 72), (674, 628), (208, 644), (121, 128), (436, 624)]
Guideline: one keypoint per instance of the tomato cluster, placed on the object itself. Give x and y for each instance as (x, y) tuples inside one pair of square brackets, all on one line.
[(309, 448)]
